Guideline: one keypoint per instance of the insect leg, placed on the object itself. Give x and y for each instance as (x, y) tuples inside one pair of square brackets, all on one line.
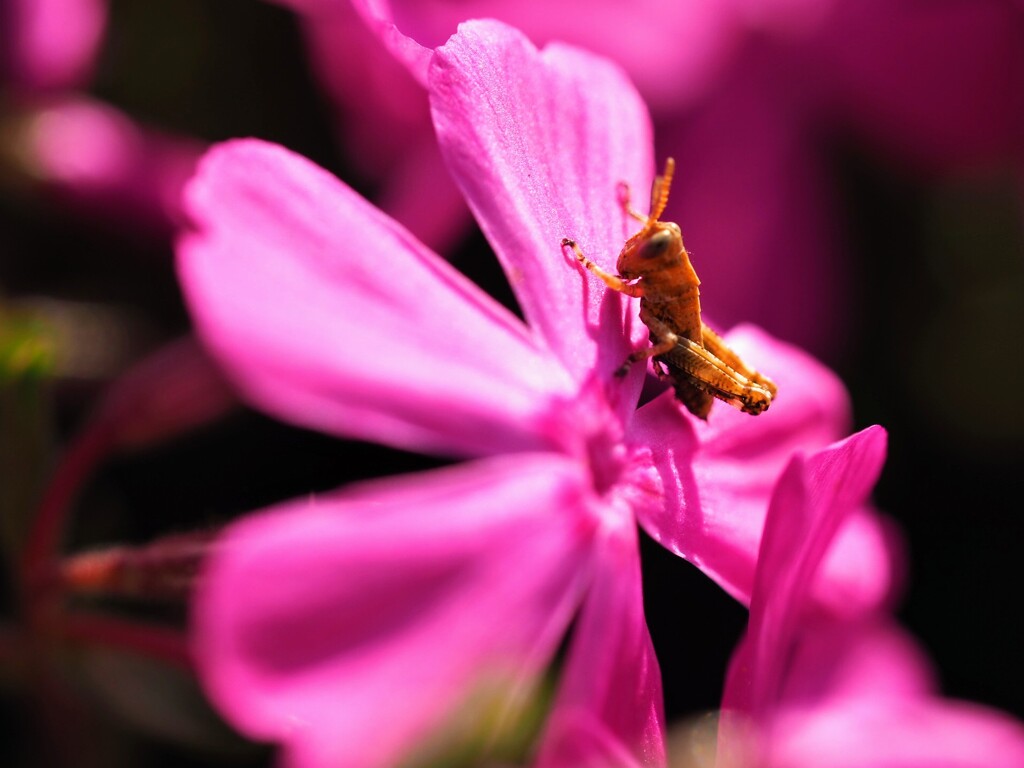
[(663, 338), (666, 340), (714, 344), (612, 281), (623, 189), (711, 374)]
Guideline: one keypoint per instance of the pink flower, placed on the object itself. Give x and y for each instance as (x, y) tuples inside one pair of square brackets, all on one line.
[(51, 44), (383, 122), (891, 81), (84, 153), (349, 627), (750, 97), (98, 160), (807, 689)]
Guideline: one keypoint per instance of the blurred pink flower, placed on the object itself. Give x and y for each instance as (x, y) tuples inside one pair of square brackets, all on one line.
[(51, 44), (96, 159), (351, 625), (383, 121), (749, 96), (889, 79), (808, 689), (751, 194), (82, 152)]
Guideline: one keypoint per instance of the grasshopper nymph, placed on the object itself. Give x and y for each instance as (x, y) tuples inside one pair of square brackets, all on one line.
[(654, 266)]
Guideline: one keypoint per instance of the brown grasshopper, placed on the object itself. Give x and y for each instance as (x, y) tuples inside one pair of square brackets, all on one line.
[(692, 357)]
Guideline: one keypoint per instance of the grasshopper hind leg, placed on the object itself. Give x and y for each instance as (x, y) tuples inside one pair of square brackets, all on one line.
[(716, 346), (692, 365)]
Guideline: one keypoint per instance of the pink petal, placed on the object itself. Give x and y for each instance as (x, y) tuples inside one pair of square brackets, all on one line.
[(860, 695), (864, 566), (899, 733), (863, 694), (98, 160), (327, 313), (839, 659), (411, 53), (692, 40), (811, 500), (786, 20), (717, 478), (372, 617), (812, 408), (383, 117), (808, 689), (381, 110), (585, 742), (422, 196), (53, 43), (538, 142), (609, 706), (173, 390)]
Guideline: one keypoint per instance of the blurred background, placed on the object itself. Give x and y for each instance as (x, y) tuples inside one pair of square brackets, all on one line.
[(850, 177)]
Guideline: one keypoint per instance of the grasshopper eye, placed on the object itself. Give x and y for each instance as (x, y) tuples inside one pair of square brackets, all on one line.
[(656, 245)]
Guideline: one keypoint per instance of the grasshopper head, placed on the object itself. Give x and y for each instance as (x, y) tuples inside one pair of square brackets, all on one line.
[(656, 247)]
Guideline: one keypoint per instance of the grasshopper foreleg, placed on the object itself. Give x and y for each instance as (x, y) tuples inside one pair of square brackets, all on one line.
[(614, 282)]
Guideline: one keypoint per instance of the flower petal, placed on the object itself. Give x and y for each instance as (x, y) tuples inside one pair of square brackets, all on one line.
[(861, 695), (807, 689), (538, 142), (812, 408), (813, 496), (371, 618), (872, 656), (422, 196), (864, 695), (810, 500), (716, 478), (383, 118), (406, 50), (53, 43), (100, 162), (172, 390), (327, 313), (609, 706), (692, 39), (899, 733)]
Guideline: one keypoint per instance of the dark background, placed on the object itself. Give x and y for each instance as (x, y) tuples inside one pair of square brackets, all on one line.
[(933, 353)]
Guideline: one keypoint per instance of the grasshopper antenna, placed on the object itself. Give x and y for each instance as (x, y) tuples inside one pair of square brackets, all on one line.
[(659, 192)]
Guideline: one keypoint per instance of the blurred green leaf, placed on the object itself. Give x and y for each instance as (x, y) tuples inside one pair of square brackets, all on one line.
[(498, 724), (27, 349), (27, 354)]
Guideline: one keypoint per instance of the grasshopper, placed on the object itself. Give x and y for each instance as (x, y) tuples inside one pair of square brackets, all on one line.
[(654, 266)]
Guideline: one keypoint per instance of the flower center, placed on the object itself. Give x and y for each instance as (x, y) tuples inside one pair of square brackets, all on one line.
[(587, 428)]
